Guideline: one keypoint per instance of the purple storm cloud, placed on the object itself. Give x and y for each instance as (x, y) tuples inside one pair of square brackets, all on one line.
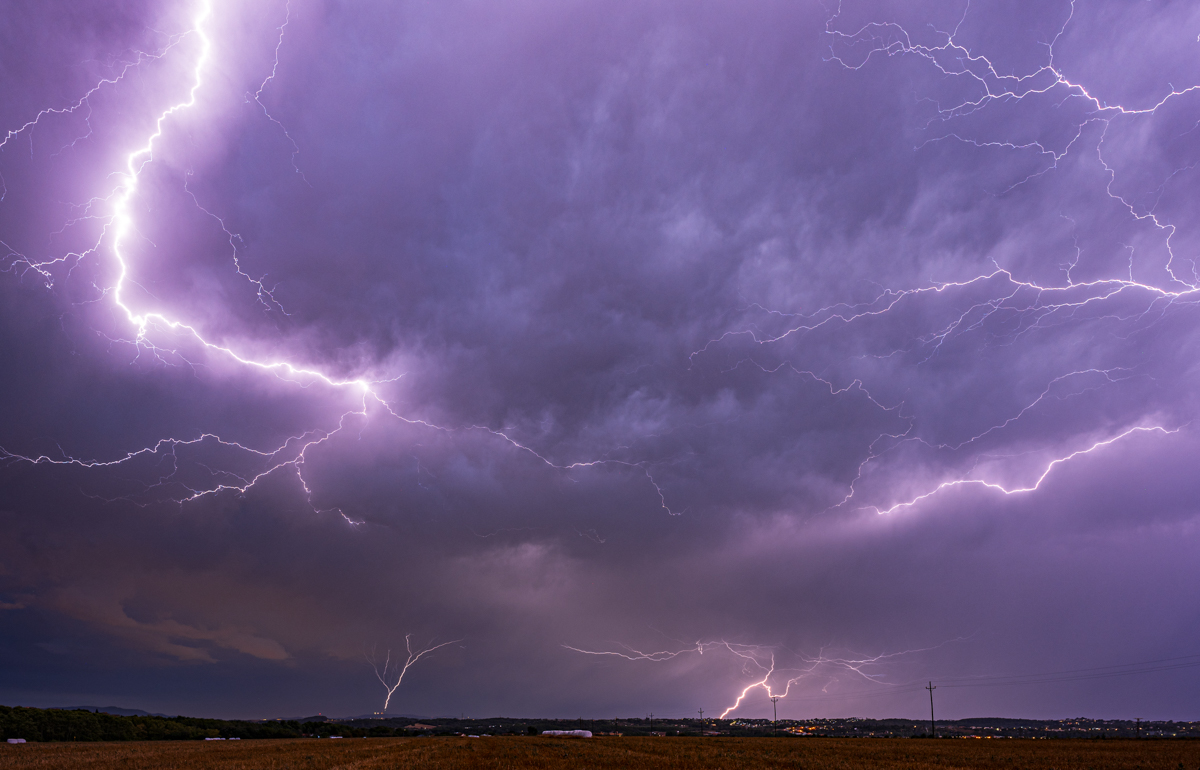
[(668, 355)]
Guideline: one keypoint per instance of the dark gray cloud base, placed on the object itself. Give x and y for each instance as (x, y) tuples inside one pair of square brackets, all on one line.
[(664, 304)]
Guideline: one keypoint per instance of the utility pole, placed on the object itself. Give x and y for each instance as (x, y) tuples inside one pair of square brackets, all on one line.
[(775, 712), (651, 721), (1138, 720), (701, 721), (932, 724)]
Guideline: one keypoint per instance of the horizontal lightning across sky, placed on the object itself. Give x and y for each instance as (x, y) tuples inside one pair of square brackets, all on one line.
[(121, 226), (1051, 300), (759, 662)]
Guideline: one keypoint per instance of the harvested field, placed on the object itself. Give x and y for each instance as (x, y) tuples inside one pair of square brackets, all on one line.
[(634, 753)]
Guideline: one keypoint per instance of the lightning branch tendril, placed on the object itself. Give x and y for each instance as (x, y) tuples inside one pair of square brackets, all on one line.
[(258, 94)]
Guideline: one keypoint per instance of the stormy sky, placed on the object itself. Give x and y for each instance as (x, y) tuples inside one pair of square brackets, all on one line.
[(653, 353)]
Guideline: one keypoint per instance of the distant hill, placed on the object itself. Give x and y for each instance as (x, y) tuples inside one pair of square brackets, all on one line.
[(115, 711)]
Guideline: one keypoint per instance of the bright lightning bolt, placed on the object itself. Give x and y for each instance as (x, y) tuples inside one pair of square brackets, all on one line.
[(383, 674), (1036, 484), (1036, 304), (760, 662), (120, 228), (123, 224), (1137, 297)]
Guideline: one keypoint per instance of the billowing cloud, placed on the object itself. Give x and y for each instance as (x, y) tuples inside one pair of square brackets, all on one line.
[(832, 348)]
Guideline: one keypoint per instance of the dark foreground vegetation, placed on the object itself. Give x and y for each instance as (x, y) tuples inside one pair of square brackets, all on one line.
[(79, 725), (64, 725), (606, 753)]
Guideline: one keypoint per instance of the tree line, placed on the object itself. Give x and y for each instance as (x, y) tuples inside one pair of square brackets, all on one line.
[(81, 725)]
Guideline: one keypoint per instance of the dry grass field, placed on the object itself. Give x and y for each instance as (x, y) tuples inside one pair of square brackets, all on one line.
[(605, 753)]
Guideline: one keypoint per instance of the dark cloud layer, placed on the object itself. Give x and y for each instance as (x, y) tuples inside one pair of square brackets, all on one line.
[(721, 329)]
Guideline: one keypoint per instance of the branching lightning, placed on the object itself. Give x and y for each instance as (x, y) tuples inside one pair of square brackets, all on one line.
[(1137, 298), (115, 211), (388, 671), (258, 94), (759, 662)]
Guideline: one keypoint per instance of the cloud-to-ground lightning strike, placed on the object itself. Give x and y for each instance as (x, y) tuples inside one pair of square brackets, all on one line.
[(759, 661), (119, 227), (386, 673)]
